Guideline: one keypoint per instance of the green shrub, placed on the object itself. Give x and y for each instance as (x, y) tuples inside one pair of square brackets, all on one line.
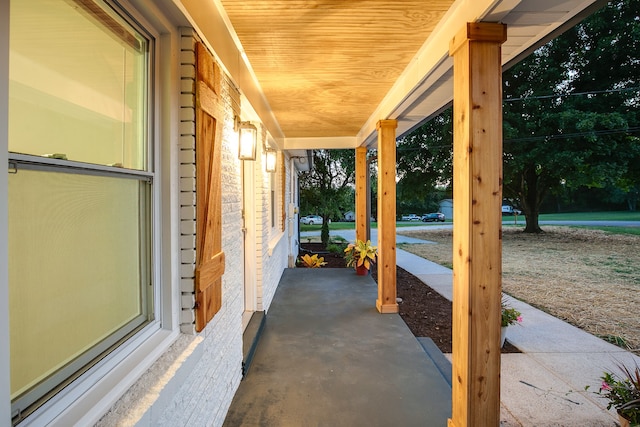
[(336, 248), (324, 234)]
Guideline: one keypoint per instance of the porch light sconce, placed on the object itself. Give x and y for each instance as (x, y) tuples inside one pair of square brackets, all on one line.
[(248, 140), (271, 160)]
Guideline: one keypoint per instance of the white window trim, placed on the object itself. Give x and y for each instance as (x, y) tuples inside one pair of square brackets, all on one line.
[(5, 399), (274, 180), (87, 399)]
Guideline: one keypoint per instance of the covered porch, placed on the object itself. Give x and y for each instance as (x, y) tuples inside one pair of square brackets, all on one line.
[(358, 77), (327, 357)]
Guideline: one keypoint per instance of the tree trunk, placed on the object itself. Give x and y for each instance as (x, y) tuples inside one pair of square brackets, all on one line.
[(632, 199), (530, 199)]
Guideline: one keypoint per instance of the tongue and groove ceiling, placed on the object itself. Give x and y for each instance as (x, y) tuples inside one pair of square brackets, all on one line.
[(328, 70)]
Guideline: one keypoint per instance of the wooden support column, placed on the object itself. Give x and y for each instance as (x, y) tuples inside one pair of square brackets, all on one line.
[(477, 230), (386, 302), (362, 193)]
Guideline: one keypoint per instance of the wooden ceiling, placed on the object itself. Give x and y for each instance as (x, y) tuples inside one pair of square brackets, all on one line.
[(321, 73), (325, 65)]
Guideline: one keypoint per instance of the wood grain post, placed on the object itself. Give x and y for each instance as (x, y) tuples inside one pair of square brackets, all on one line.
[(362, 193), (477, 229), (386, 302)]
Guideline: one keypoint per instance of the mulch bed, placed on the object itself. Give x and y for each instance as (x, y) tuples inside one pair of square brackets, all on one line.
[(426, 312)]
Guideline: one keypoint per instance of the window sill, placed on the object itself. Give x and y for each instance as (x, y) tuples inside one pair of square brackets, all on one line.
[(89, 398), (274, 242)]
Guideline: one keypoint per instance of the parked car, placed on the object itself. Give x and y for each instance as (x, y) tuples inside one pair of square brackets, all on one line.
[(433, 217), (510, 210), (311, 219), (410, 217)]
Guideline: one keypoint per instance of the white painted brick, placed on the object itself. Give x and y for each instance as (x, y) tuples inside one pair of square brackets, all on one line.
[(188, 171), (187, 85), (187, 285), (187, 316), (188, 71), (187, 255), (187, 184), (188, 142), (187, 38), (187, 113), (188, 212), (187, 57), (187, 98), (187, 128), (188, 301), (187, 156), (188, 241), (187, 198), (187, 270), (188, 227)]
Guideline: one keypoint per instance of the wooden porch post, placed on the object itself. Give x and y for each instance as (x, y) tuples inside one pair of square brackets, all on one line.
[(386, 302), (362, 193), (477, 230)]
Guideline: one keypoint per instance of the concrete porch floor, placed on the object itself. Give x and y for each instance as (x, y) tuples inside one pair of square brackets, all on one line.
[(326, 357)]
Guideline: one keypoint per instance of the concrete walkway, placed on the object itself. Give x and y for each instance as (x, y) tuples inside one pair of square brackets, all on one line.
[(326, 357)]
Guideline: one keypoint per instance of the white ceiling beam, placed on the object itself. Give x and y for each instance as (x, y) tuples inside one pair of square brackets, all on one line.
[(433, 53)]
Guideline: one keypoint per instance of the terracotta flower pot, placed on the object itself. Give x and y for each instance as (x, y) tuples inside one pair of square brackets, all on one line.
[(361, 270), (623, 421)]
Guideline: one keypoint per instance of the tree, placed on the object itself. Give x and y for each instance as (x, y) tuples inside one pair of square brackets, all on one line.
[(571, 120), (568, 116), (327, 189), (425, 165)]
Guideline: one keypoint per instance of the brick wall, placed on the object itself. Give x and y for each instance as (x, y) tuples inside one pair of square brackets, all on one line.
[(209, 389), (274, 251)]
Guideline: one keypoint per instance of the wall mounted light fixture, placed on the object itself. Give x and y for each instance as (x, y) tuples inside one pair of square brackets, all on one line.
[(271, 160), (248, 140)]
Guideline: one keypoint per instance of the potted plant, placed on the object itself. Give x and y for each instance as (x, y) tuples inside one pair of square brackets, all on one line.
[(510, 316), (361, 255), (312, 261), (623, 392)]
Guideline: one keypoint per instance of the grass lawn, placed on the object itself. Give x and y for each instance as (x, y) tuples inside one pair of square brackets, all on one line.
[(592, 216), (587, 277), (352, 225), (572, 216)]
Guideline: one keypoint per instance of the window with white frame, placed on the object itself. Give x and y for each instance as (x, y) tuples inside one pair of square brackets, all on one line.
[(277, 181), (80, 191), (272, 200)]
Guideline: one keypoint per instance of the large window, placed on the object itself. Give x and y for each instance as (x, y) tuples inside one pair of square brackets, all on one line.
[(80, 191)]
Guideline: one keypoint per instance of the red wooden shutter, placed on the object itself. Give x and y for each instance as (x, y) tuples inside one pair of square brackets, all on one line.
[(209, 256)]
